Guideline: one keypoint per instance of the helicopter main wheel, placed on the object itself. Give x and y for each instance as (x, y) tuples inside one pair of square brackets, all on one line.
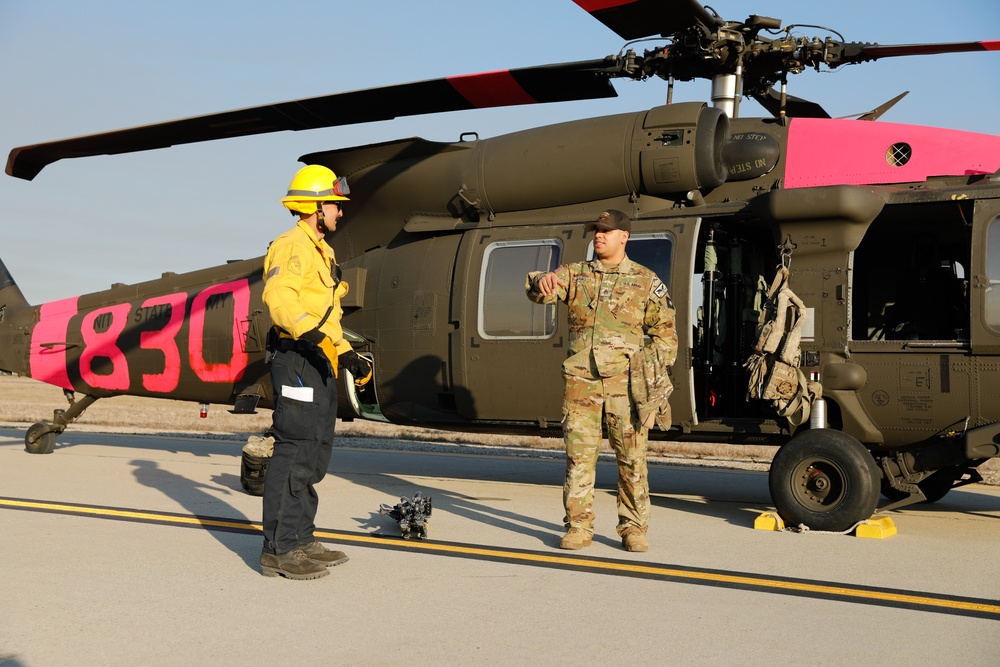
[(39, 441), (824, 479)]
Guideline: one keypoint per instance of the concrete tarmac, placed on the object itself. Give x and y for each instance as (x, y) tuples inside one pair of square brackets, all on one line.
[(143, 550)]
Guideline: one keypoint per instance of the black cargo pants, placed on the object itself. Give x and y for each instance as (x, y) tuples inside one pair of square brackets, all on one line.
[(303, 443)]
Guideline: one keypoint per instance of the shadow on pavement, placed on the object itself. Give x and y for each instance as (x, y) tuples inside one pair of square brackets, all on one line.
[(196, 498)]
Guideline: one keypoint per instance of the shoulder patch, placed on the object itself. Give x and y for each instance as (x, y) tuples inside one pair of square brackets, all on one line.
[(660, 290)]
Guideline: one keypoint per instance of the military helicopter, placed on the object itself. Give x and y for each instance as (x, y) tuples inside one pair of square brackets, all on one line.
[(870, 219)]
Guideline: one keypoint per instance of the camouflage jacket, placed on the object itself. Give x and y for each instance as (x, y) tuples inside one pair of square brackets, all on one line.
[(609, 309)]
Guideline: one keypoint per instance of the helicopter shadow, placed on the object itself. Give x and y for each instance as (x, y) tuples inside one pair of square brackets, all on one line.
[(394, 467), (734, 512), (736, 497), (968, 501), (444, 501), (708, 493), (740, 501)]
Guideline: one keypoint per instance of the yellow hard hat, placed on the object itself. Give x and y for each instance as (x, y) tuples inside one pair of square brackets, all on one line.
[(314, 183)]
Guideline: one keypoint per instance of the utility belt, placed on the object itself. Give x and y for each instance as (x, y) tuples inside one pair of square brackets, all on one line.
[(275, 343), (288, 344)]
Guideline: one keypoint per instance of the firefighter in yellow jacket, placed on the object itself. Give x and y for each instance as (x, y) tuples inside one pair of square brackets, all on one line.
[(302, 292), (611, 372)]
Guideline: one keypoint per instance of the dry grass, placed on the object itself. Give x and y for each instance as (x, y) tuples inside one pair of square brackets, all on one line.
[(24, 401)]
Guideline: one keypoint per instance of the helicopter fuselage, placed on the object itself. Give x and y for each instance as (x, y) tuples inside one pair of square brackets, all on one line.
[(889, 231)]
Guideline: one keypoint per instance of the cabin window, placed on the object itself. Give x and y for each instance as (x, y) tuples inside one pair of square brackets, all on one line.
[(504, 309), (911, 279), (654, 251), (993, 275)]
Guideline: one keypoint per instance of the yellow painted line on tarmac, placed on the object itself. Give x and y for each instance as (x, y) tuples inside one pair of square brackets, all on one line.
[(658, 571), (138, 515), (867, 595)]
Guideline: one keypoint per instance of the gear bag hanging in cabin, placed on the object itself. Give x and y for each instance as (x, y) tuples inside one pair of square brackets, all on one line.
[(774, 367)]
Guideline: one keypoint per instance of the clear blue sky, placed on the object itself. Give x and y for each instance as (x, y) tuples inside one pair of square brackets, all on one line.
[(72, 68)]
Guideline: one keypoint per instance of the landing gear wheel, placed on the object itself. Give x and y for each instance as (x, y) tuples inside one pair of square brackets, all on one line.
[(37, 441), (824, 479)]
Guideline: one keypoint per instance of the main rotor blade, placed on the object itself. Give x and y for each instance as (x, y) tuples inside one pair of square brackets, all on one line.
[(632, 19), (855, 53), (531, 85)]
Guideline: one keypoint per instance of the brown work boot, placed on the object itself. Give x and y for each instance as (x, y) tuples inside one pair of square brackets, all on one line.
[(317, 552), (576, 538), (292, 564), (634, 539)]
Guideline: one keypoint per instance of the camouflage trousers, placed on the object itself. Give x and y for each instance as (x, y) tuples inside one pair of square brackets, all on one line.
[(584, 405)]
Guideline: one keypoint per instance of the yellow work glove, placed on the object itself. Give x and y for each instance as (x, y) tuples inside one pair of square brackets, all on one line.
[(325, 346), (359, 367), (329, 351)]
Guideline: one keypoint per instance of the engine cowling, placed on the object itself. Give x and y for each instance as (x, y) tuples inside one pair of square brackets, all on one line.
[(666, 150)]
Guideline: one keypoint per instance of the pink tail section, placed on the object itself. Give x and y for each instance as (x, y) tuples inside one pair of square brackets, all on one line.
[(850, 152)]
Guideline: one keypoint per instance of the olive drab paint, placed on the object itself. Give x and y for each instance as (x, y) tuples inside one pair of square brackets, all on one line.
[(890, 233)]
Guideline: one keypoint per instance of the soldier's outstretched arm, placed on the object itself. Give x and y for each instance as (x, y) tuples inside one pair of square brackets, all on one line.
[(547, 286)]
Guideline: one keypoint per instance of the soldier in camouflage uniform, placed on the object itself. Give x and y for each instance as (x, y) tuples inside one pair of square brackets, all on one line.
[(611, 300)]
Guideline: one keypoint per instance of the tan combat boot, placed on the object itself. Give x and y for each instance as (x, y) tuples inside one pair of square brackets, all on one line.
[(317, 552), (634, 539), (293, 564), (576, 538)]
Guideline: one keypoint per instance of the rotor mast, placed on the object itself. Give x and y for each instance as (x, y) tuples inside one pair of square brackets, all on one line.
[(724, 95)]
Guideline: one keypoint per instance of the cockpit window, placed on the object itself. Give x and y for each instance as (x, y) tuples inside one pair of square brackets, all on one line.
[(911, 278), (992, 311), (654, 251), (504, 309)]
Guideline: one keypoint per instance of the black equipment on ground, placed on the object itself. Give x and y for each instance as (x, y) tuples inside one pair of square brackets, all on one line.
[(411, 513)]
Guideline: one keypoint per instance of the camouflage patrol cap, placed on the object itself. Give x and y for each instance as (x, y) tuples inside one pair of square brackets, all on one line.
[(611, 219)]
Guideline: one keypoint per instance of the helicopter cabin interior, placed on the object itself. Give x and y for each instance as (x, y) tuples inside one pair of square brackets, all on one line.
[(730, 266)]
